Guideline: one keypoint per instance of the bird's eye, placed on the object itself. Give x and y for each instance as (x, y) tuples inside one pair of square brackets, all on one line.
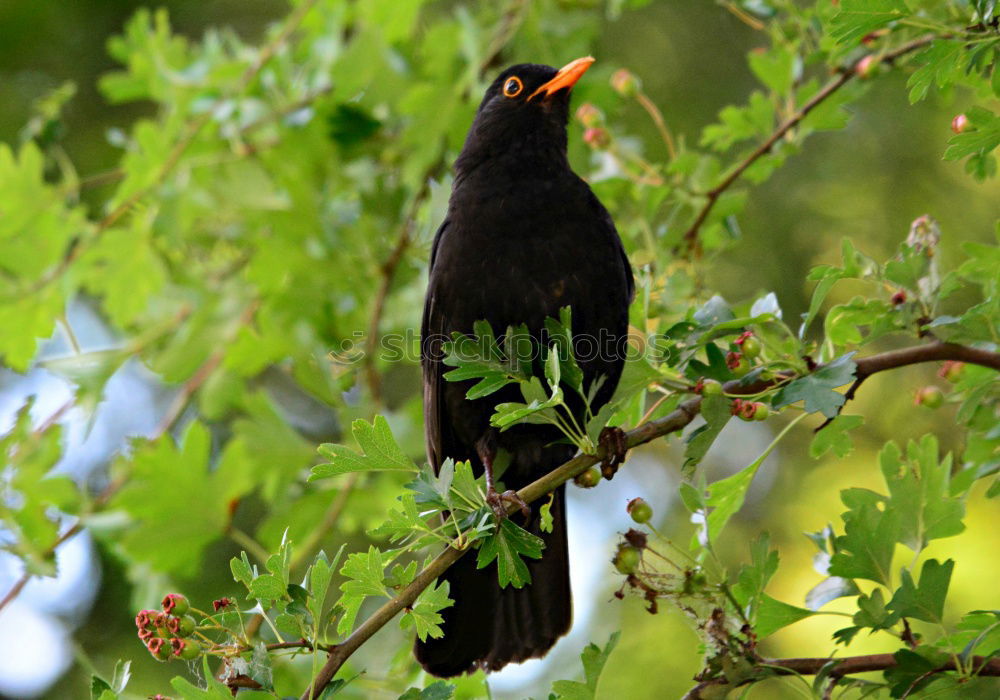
[(513, 87)]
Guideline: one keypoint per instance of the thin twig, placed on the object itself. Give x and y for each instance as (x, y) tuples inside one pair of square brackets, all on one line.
[(674, 421), (844, 75), (843, 667)]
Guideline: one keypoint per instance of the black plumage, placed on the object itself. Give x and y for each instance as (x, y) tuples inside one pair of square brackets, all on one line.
[(523, 237)]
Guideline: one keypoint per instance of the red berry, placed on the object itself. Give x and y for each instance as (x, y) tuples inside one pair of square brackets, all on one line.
[(899, 297), (960, 124), (639, 510)]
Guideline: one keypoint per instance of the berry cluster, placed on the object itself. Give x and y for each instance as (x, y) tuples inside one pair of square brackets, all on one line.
[(165, 632)]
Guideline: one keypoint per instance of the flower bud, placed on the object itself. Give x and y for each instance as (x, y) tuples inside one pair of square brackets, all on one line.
[(625, 83), (221, 603), (960, 124)]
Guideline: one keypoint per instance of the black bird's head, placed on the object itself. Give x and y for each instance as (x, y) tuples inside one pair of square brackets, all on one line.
[(522, 118)]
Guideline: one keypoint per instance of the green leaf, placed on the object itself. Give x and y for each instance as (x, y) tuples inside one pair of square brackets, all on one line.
[(873, 613), (438, 690), (507, 546), (379, 452), (716, 412), (594, 658), (545, 513), (859, 17), (870, 534), (816, 389), (425, 613), (920, 492), (926, 600), (364, 572), (834, 437), (772, 615)]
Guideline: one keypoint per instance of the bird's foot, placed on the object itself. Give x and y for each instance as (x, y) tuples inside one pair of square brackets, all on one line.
[(615, 448), (497, 500)]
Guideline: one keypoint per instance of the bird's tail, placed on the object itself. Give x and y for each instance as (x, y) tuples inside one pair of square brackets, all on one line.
[(489, 627)]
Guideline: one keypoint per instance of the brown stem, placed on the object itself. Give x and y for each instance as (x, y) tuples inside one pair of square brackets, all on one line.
[(844, 667), (844, 75), (674, 421)]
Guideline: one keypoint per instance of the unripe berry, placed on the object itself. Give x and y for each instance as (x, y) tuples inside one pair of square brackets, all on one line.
[(929, 396), (960, 124), (866, 67), (952, 371), (597, 137), (750, 347), (625, 83), (175, 604), (737, 363), (181, 626), (710, 387), (159, 648), (589, 115), (588, 479), (627, 559), (761, 411), (639, 510), (186, 649)]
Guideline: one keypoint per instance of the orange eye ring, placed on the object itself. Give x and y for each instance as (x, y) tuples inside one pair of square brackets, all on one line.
[(512, 86)]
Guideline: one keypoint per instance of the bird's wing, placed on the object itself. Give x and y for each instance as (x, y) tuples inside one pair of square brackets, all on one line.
[(431, 332)]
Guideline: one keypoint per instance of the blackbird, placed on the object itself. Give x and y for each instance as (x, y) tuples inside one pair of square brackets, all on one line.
[(523, 237)]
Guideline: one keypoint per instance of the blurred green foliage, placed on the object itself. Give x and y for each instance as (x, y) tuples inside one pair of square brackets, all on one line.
[(249, 207)]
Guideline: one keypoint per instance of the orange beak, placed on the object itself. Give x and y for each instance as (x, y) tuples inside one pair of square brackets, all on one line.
[(565, 78)]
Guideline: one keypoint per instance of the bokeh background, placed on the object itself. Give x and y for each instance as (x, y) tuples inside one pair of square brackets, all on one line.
[(867, 182)]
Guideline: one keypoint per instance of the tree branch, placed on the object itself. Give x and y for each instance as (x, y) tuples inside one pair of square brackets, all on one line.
[(844, 667), (674, 421), (844, 75)]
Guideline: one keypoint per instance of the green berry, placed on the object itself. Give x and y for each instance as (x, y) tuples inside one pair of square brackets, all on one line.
[(639, 510), (751, 347), (175, 604), (929, 397), (761, 411), (710, 387), (588, 479), (627, 559)]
